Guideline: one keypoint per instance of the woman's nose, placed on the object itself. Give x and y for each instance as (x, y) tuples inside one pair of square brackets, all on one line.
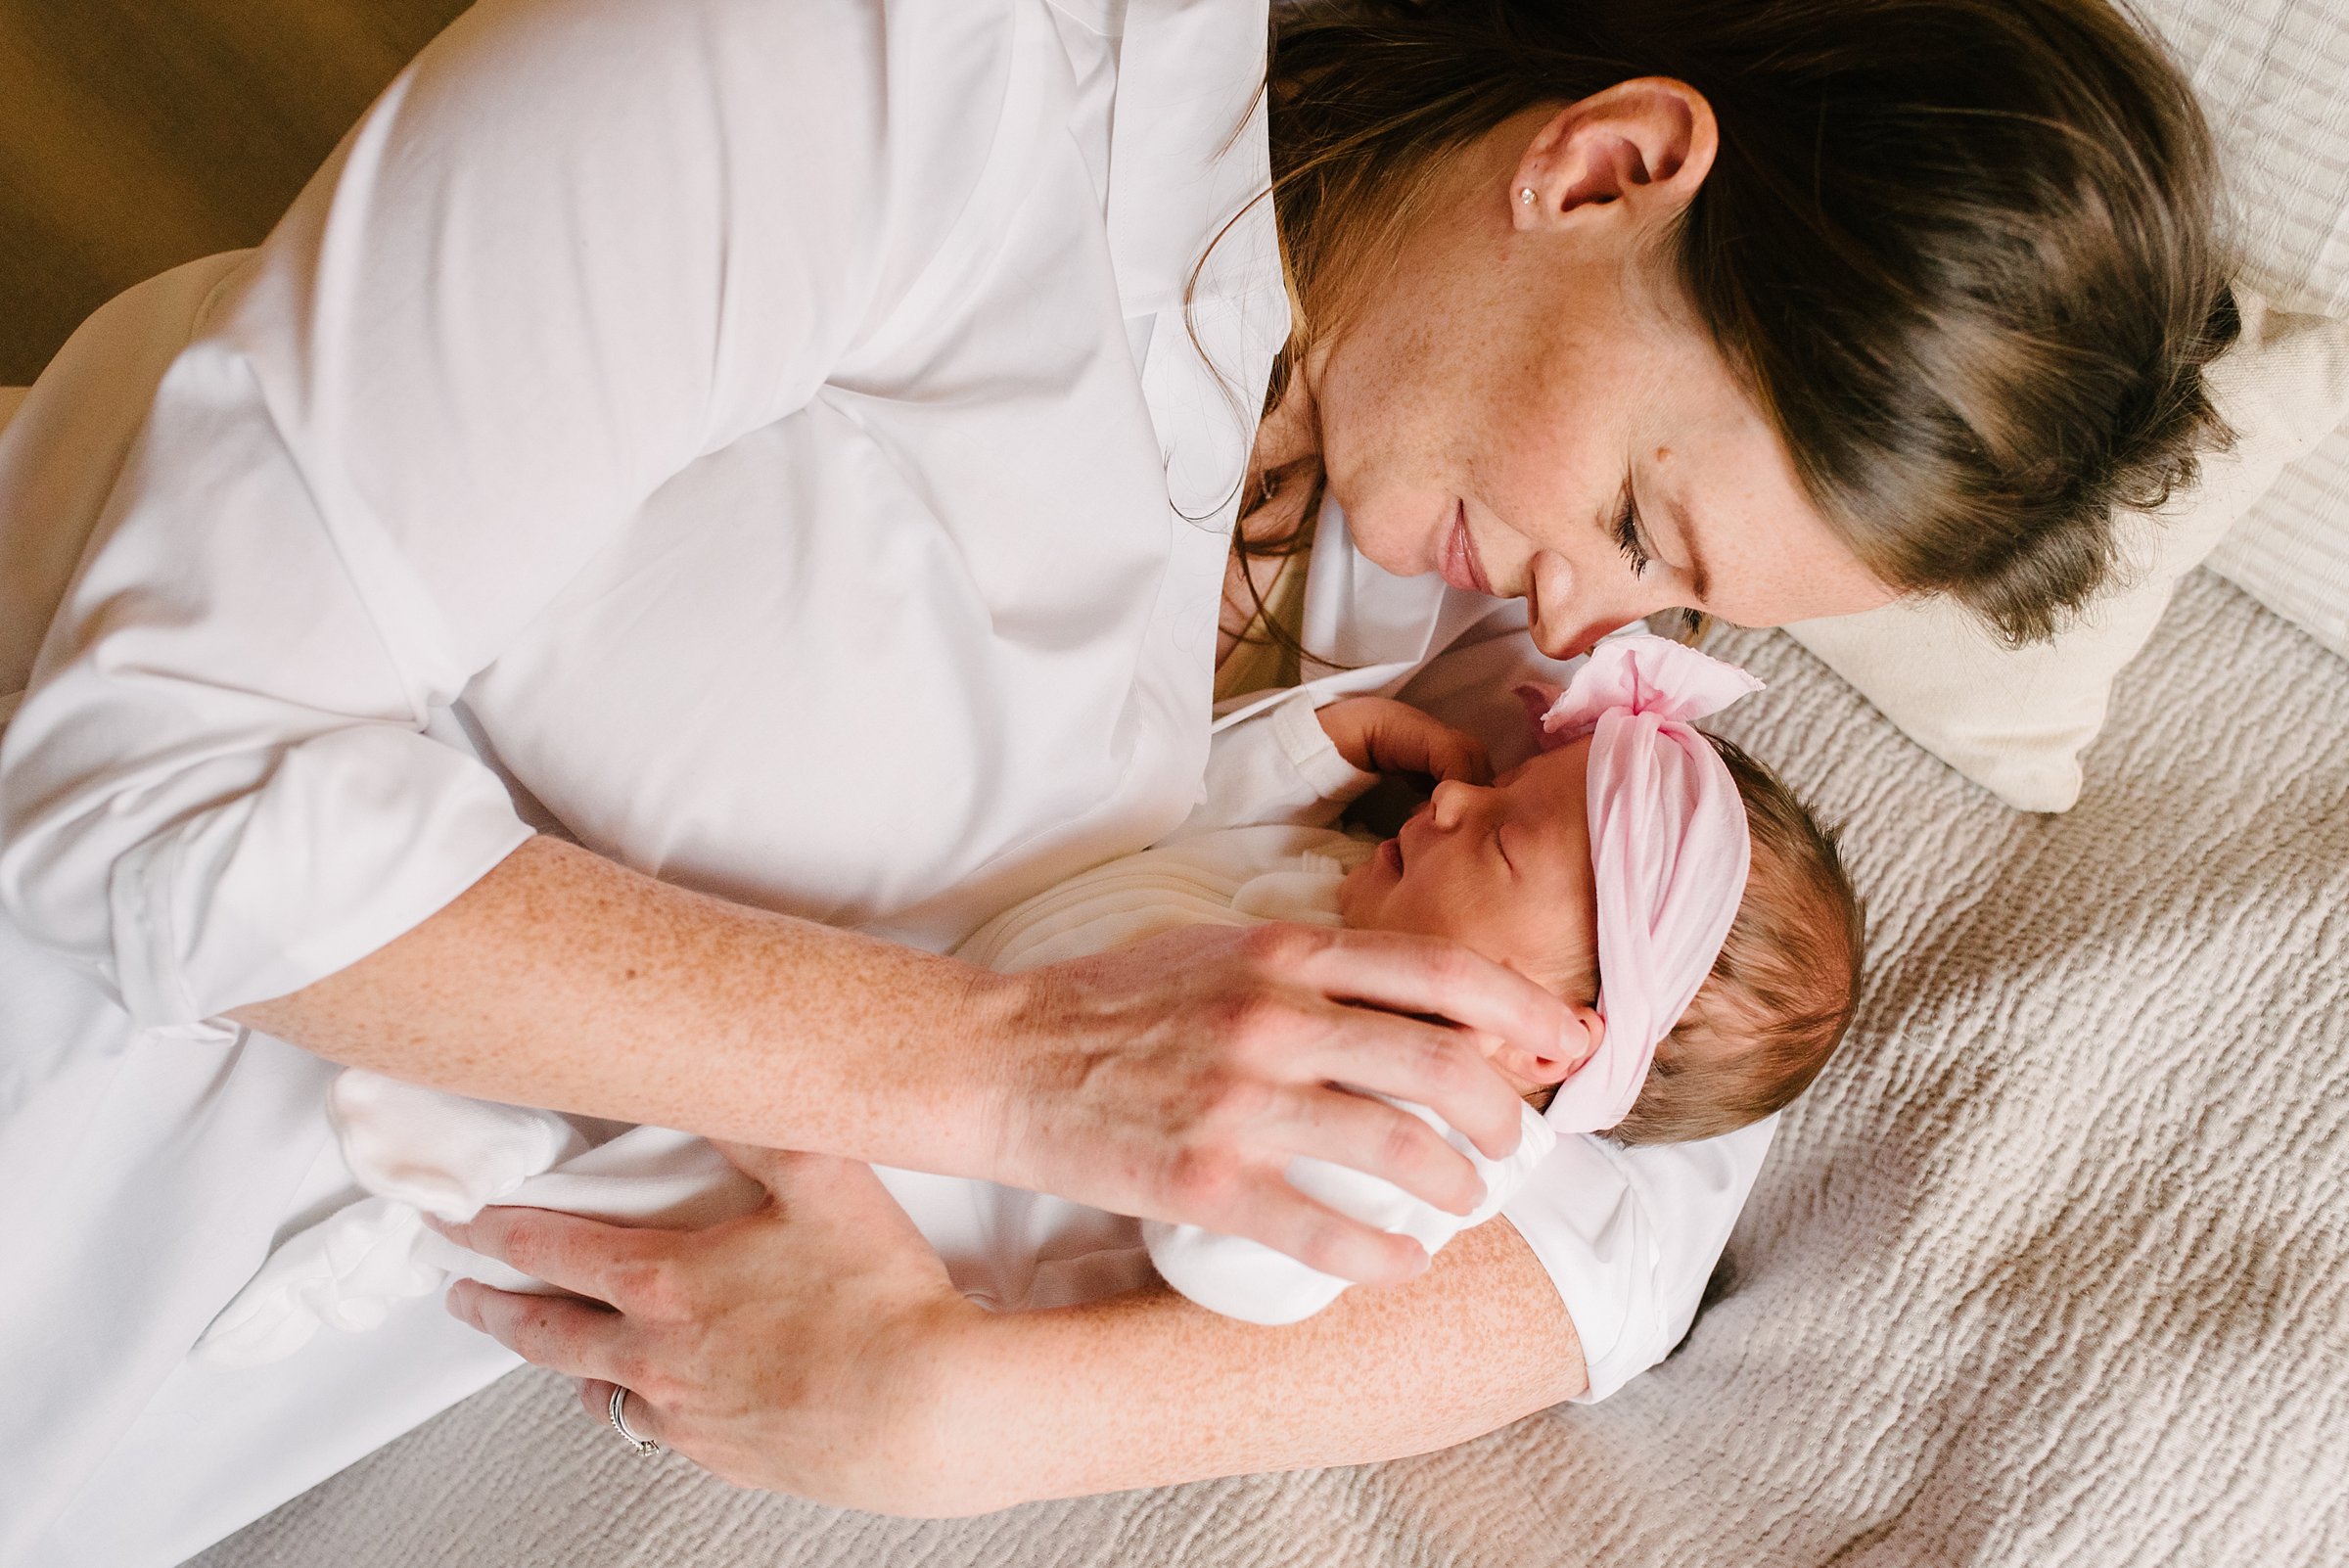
[(1566, 621)]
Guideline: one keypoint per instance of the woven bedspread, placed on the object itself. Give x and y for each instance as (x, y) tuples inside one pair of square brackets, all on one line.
[(2052, 1268)]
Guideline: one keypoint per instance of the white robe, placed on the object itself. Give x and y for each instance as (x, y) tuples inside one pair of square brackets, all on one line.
[(856, 332)]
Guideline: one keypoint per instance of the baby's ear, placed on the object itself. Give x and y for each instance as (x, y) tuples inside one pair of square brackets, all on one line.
[(1584, 1028), (1538, 697)]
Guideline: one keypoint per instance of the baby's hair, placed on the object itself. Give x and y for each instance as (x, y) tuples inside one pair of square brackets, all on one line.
[(1780, 996)]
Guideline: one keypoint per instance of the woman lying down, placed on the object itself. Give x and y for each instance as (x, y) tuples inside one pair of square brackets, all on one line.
[(1669, 887)]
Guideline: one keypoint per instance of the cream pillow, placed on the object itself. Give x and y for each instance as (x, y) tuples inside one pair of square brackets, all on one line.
[(2016, 721), (2292, 552)]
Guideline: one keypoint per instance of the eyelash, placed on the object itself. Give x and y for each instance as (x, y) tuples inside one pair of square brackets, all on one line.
[(1503, 850), (1627, 535)]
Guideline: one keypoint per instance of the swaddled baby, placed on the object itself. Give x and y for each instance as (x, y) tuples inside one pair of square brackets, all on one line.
[(1671, 889), (1668, 887)]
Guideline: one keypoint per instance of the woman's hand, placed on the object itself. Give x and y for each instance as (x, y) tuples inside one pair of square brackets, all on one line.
[(1173, 1079), (815, 1346), (797, 1349), (1380, 735), (1176, 1079)]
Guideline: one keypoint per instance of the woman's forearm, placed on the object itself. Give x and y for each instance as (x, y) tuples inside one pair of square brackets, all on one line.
[(566, 981), (1172, 1079), (1146, 1389)]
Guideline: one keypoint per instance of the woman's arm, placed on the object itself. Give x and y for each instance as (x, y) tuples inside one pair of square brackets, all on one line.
[(1173, 1079), (1146, 1389), (819, 1348), (576, 245)]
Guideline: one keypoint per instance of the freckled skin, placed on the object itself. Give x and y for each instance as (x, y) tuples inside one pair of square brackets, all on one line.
[(824, 1353), (1524, 360), (1530, 359), (1147, 1390)]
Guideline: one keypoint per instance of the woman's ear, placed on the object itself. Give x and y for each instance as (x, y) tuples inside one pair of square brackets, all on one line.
[(1640, 148)]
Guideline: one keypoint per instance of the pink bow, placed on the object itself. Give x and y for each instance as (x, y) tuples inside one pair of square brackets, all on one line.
[(1668, 850)]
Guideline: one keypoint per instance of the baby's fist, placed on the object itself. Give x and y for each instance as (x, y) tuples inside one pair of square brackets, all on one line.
[(1379, 735)]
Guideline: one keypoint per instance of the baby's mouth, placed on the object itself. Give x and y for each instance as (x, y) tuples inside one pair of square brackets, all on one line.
[(1391, 851)]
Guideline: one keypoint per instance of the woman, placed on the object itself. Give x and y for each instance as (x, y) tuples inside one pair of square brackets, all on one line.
[(797, 445)]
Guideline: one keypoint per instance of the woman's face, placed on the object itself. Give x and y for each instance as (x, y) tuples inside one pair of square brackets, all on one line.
[(1527, 407)]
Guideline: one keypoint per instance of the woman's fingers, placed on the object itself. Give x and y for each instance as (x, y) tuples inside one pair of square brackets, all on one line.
[(794, 1174), (1428, 1064), (569, 1251), (843, 1190), (1185, 1071), (562, 1333), (1328, 1124), (771, 1168), (1276, 1214)]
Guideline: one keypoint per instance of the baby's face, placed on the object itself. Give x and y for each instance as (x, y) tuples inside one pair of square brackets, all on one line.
[(1505, 869)]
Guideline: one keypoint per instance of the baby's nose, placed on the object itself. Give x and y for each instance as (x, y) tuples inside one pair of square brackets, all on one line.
[(1451, 802)]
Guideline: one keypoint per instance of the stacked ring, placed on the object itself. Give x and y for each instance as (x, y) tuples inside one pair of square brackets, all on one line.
[(619, 1423)]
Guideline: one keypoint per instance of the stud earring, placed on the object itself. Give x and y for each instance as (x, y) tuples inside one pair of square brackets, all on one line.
[(1525, 194)]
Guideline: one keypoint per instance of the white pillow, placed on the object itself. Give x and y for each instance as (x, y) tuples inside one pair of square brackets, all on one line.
[(2292, 552), (2016, 721), (2274, 79)]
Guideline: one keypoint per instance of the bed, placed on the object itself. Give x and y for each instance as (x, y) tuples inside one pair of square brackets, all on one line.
[(2052, 1266)]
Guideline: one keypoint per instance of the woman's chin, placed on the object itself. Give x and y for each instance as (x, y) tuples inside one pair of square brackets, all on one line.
[(1382, 537), (1381, 552)]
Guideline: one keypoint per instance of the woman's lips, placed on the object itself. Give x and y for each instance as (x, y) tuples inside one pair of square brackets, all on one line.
[(1457, 564)]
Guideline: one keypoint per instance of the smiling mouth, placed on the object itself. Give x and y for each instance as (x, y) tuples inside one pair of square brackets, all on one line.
[(1457, 564)]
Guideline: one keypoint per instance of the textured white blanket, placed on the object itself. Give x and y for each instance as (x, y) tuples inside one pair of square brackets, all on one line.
[(2051, 1269)]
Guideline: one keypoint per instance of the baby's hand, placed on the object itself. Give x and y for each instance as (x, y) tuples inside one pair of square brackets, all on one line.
[(1379, 735)]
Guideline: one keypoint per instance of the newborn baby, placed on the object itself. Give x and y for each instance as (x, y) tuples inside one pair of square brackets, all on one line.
[(1671, 889), (1668, 887)]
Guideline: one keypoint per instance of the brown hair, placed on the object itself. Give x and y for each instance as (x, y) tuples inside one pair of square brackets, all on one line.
[(1782, 993), (1961, 252)]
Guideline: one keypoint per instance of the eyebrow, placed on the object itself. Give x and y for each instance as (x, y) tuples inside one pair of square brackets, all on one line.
[(1700, 579)]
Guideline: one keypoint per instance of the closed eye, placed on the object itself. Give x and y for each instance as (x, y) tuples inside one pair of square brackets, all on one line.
[(1500, 846), (1630, 537)]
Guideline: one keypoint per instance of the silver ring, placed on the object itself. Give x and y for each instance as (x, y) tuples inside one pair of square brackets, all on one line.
[(619, 1423)]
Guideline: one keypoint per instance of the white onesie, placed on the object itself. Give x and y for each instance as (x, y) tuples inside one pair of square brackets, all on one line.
[(1257, 848)]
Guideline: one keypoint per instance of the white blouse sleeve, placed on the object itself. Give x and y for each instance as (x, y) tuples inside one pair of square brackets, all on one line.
[(1274, 765), (576, 246), (1629, 1237)]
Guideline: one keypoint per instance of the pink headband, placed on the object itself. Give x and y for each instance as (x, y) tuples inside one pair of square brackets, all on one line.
[(1669, 848)]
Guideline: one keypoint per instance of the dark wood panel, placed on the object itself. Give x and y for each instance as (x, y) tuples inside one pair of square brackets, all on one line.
[(138, 134)]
